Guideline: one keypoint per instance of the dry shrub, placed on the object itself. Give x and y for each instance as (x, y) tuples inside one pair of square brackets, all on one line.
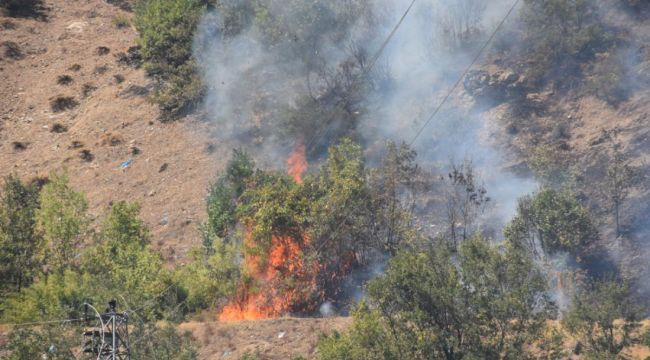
[(12, 50), (64, 80), (63, 103)]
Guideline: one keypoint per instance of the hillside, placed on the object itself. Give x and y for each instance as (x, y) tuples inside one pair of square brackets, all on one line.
[(171, 164), (451, 211)]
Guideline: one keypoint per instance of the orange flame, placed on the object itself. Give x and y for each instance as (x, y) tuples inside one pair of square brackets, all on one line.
[(285, 279), (297, 162)]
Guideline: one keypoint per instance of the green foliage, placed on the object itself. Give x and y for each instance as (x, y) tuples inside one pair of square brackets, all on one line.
[(121, 21), (222, 199), (121, 263), (552, 167), (20, 244), (48, 342), (63, 221), (123, 228), (166, 30), (368, 338), (560, 34), (427, 307), (211, 278), (551, 345), (394, 192), (609, 80), (276, 206), (123, 260), (645, 339), (552, 219), (604, 317)]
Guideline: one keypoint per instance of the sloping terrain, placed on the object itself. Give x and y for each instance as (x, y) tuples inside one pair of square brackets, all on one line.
[(110, 140), (284, 338)]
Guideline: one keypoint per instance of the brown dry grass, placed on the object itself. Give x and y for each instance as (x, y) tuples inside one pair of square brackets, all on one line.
[(67, 43)]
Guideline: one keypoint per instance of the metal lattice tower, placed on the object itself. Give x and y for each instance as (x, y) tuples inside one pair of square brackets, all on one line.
[(107, 334)]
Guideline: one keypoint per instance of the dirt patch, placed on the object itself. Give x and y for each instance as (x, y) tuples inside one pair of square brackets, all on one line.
[(284, 338)]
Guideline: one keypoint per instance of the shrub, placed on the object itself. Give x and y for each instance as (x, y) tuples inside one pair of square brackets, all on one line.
[(22, 8), (560, 34), (48, 342), (12, 50), (64, 80), (428, 303), (121, 21), (603, 315), (609, 80), (63, 221), (20, 244), (554, 220), (166, 30), (63, 103)]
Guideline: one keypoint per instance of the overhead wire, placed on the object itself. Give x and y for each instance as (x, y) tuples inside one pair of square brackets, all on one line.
[(460, 79), (366, 71)]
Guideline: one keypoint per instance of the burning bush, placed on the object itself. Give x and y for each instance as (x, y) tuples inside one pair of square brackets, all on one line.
[(302, 235)]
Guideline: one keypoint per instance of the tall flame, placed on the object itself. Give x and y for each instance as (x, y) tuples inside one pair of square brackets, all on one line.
[(297, 162), (283, 280)]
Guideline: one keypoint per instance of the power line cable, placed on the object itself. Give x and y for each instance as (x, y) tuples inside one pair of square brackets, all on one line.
[(34, 323), (460, 79), (325, 131)]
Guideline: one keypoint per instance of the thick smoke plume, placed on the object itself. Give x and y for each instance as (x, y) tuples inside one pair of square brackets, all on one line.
[(252, 84)]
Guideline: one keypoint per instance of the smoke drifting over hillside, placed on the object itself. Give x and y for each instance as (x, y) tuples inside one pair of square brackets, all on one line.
[(254, 80), (296, 73)]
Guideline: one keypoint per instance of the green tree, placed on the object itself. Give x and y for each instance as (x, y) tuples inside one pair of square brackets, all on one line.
[(224, 194), (123, 261), (394, 191), (560, 34), (55, 342), (166, 30), (20, 244), (63, 221), (341, 214), (486, 304), (210, 279), (553, 220), (603, 315)]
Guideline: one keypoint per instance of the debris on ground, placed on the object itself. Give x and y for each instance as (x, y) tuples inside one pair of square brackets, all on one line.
[(126, 164)]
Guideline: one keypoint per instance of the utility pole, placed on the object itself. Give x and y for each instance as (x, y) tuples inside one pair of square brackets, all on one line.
[(107, 334)]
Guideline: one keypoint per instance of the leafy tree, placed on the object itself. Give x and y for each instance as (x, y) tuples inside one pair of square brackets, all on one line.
[(166, 30), (224, 193), (63, 221), (341, 215), (209, 279), (122, 227), (560, 34), (124, 261), (489, 306), (604, 317), (553, 220), (621, 177), (20, 244), (54, 342), (394, 191)]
